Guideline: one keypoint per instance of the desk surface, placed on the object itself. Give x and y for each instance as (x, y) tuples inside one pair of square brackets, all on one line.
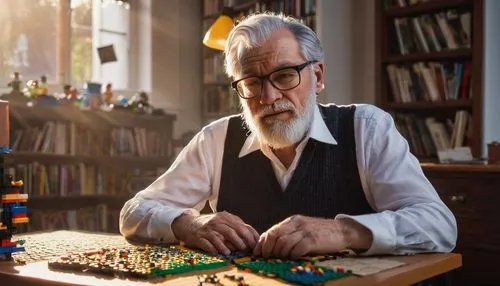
[(417, 268)]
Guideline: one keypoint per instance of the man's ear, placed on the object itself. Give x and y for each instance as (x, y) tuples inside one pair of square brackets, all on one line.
[(318, 72)]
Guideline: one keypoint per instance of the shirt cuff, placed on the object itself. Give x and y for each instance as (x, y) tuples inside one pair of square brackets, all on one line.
[(161, 223), (384, 237)]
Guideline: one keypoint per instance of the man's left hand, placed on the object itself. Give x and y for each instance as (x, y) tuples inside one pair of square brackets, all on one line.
[(300, 235)]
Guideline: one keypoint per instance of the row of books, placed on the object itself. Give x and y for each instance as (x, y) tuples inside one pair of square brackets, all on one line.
[(220, 99), (427, 135), (73, 139), (80, 179), (433, 32), (297, 8), (213, 69), (404, 3), (430, 81), (302, 9), (97, 218), (139, 142), (214, 7)]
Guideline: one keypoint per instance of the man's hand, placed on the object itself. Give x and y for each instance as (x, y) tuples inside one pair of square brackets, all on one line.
[(299, 235), (216, 233)]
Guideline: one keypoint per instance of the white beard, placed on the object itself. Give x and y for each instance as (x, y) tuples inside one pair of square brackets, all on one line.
[(277, 133)]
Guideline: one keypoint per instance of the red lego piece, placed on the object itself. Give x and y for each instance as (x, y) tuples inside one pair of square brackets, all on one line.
[(7, 242), (19, 215)]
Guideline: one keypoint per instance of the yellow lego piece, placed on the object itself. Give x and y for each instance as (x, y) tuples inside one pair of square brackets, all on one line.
[(20, 220), (18, 183), (15, 197)]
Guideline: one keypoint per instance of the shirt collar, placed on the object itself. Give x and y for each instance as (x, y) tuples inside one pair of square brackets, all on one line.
[(319, 131)]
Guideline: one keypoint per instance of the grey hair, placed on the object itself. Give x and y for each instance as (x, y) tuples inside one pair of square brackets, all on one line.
[(256, 29)]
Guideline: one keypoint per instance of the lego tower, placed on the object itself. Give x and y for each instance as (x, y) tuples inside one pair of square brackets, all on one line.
[(13, 208)]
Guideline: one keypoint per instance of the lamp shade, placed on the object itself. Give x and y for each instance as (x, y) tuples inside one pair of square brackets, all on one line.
[(216, 36)]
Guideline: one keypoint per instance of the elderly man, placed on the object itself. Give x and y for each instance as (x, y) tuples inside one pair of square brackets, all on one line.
[(290, 177)]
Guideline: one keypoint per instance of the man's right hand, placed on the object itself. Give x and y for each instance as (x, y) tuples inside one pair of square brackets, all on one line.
[(216, 233)]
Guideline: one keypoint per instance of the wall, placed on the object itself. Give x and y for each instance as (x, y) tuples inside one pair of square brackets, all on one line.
[(491, 72), (166, 52), (346, 29)]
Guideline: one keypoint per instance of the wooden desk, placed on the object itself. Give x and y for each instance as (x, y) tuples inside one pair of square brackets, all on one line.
[(472, 194), (417, 268)]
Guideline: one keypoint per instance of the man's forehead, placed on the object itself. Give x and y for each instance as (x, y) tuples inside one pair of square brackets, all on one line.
[(275, 53)]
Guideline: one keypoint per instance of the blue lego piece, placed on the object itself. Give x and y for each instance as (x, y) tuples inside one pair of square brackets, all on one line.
[(92, 88), (5, 150), (10, 249), (18, 209)]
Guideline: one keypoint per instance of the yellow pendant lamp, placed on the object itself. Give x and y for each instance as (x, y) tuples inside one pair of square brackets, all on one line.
[(216, 36)]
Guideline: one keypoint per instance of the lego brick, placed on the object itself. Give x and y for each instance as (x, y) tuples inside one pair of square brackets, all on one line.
[(10, 249), (19, 215), (14, 201), (18, 209), (20, 220), (15, 197), (8, 242)]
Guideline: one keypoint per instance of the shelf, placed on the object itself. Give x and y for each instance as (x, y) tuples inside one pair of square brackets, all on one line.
[(429, 105), (94, 119), (427, 7), (114, 161), (244, 6), (76, 202), (433, 56), (478, 167)]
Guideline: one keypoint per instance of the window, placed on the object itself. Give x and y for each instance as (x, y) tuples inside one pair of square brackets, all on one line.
[(27, 33), (112, 28), (81, 41), (29, 41)]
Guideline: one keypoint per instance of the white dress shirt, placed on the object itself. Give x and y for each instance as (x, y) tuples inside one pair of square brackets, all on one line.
[(410, 215)]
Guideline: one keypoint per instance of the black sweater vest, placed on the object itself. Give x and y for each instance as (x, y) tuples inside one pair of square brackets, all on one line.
[(325, 183)]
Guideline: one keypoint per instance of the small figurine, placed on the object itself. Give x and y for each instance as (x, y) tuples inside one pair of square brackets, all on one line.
[(91, 98), (15, 83), (67, 90), (140, 103), (31, 89), (73, 94), (107, 96), (39, 95), (66, 98), (43, 88)]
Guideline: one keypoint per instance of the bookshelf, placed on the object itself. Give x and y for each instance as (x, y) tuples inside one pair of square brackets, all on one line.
[(218, 99), (429, 72), (80, 166)]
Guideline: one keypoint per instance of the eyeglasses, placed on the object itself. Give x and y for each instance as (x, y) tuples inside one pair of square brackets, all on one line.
[(282, 79)]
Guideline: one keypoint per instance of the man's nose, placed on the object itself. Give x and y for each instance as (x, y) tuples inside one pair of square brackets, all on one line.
[(269, 93)]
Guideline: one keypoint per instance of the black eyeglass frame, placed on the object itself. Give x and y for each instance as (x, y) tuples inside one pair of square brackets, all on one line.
[(262, 78)]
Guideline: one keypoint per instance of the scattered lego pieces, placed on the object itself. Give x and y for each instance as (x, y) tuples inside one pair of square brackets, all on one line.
[(138, 262), (237, 278), (302, 272), (212, 279), (43, 246)]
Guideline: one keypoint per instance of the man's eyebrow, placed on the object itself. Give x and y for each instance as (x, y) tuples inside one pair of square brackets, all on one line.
[(284, 65), (278, 67)]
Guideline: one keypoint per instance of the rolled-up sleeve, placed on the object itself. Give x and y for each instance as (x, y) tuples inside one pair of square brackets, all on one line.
[(410, 218), (184, 187)]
